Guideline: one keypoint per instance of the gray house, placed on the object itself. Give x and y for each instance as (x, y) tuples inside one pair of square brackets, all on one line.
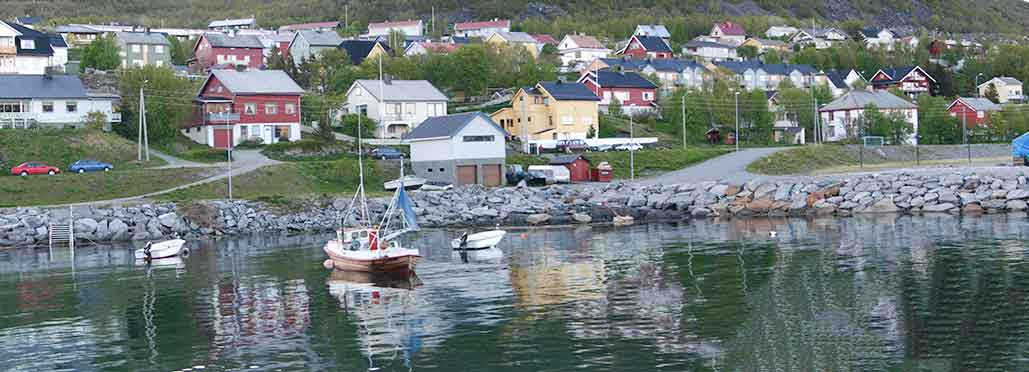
[(460, 149), (307, 43), (144, 48)]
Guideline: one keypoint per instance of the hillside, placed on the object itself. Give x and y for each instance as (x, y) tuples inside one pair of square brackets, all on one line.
[(1005, 16)]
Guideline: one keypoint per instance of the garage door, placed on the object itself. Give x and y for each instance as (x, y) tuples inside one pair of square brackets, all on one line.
[(491, 175), (222, 138), (466, 175)]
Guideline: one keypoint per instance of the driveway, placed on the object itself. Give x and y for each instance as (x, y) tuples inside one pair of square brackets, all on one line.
[(731, 167)]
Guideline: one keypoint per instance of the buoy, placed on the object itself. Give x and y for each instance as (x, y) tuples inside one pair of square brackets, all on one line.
[(327, 264), (771, 233)]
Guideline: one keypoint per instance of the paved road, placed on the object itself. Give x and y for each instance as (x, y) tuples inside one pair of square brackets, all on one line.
[(730, 167), (174, 162)]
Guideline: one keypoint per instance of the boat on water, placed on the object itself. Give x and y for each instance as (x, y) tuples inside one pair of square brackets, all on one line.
[(480, 240), (364, 247), (409, 182), (161, 250)]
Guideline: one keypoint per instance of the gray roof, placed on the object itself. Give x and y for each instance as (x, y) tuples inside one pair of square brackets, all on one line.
[(448, 126), (77, 29), (517, 37), (257, 82), (402, 90), (978, 104), (218, 40), (38, 86), (232, 22), (706, 44), (321, 38), (151, 38), (652, 30), (1009, 80), (569, 91), (858, 99)]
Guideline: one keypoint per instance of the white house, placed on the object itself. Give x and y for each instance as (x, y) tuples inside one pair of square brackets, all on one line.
[(397, 105), (880, 38), (778, 32), (821, 38), (757, 75), (53, 101), (307, 43), (710, 51), (575, 49), (843, 118), (842, 81), (29, 52), (653, 30), (1008, 89), (233, 24), (408, 28), (466, 148), (482, 29)]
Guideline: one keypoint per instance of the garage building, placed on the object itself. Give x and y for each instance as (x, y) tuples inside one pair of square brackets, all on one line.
[(460, 149)]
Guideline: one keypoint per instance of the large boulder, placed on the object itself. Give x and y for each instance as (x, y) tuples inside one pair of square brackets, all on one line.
[(85, 226), (169, 220), (581, 218), (1016, 205), (1017, 194), (118, 229), (941, 207), (537, 218), (885, 205)]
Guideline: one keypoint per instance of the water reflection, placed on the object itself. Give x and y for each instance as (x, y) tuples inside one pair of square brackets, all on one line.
[(936, 293)]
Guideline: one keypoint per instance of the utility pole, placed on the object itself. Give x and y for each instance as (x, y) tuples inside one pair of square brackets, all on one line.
[(684, 120), (433, 30), (737, 135), (524, 121), (346, 19), (814, 112), (964, 133), (632, 147), (229, 152), (143, 140)]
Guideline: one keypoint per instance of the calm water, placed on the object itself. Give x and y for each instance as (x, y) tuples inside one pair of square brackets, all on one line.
[(936, 293)]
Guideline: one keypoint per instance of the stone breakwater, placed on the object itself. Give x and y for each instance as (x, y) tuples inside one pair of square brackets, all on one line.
[(563, 204)]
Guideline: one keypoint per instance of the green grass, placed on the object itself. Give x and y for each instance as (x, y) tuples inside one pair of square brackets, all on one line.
[(526, 160), (648, 162), (184, 148), (288, 183), (803, 160), (73, 188), (61, 147)]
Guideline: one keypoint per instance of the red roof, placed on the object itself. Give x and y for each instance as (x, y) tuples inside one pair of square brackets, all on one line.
[(731, 29), (309, 26), (545, 39), (388, 24), (497, 23)]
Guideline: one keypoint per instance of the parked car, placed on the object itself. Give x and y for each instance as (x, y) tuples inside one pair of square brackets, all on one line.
[(573, 145), (385, 153), (89, 165), (33, 167), (601, 148), (629, 147), (515, 174)]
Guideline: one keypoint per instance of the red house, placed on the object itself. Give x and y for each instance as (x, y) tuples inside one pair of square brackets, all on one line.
[(235, 106), (634, 92), (214, 50), (912, 80), (975, 112), (577, 164), (646, 47)]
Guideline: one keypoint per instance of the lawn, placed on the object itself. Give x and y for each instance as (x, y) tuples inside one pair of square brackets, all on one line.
[(803, 160), (61, 147), (184, 148), (73, 188), (648, 162)]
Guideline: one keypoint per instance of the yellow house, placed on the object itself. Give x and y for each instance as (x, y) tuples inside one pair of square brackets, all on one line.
[(516, 39), (763, 45), (551, 111)]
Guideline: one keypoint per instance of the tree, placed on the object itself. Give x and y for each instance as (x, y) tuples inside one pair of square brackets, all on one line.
[(167, 102), (349, 123), (991, 93), (772, 57), (614, 108), (755, 117), (935, 125), (892, 127), (277, 61), (747, 52), (101, 54), (181, 51)]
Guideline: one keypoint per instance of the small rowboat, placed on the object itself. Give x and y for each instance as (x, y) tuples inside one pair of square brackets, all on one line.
[(409, 182), (482, 240), (159, 250)]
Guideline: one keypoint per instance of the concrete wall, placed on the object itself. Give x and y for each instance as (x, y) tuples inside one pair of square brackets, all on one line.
[(449, 167)]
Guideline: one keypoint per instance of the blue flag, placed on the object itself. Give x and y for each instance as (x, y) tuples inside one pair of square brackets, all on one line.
[(405, 205)]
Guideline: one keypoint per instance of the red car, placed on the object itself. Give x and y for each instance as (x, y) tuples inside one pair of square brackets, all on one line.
[(28, 168)]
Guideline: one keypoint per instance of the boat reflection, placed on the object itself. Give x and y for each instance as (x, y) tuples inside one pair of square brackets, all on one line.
[(489, 255)]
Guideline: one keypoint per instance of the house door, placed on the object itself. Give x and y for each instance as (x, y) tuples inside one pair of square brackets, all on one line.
[(466, 175), (222, 138), (491, 175)]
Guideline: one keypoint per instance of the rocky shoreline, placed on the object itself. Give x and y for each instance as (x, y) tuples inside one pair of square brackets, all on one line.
[(560, 204)]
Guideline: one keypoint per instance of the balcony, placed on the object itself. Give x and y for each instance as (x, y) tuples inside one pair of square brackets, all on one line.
[(8, 49), (17, 116), (222, 117)]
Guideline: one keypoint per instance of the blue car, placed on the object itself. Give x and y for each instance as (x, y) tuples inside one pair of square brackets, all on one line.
[(83, 166)]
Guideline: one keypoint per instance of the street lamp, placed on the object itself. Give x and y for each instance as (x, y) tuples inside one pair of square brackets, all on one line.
[(684, 120), (632, 145), (737, 135)]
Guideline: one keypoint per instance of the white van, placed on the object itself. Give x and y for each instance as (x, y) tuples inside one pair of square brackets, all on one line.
[(554, 173)]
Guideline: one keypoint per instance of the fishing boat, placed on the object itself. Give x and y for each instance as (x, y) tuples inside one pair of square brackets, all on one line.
[(161, 250), (364, 247), (481, 240)]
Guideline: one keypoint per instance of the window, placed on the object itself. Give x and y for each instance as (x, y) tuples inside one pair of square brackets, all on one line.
[(10, 107), (291, 109), (358, 92), (135, 48), (159, 49), (71, 106), (409, 109), (48, 107), (546, 101), (28, 44), (648, 96), (243, 132), (436, 109), (622, 96), (441, 170), (831, 115), (250, 108), (567, 119), (478, 138), (159, 63), (281, 131), (271, 108), (978, 114), (429, 170), (393, 108)]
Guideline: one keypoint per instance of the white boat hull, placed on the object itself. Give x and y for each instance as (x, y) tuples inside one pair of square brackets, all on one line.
[(159, 250), (482, 240), (410, 183), (393, 259)]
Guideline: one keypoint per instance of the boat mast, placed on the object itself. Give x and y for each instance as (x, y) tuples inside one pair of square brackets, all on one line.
[(360, 171)]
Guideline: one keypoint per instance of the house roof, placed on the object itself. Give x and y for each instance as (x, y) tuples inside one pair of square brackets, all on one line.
[(672, 65), (567, 159), (232, 22), (781, 30), (358, 49), (653, 43), (706, 44), (41, 41), (731, 29), (859, 98), (448, 126), (819, 32), (474, 25), (873, 32), (568, 91), (612, 79), (544, 39), (516, 37), (77, 29), (771, 69), (309, 26), (219, 40), (392, 24), (40, 86), (320, 38), (586, 41), (57, 41), (28, 20), (652, 30), (257, 82), (435, 46), (898, 73), (838, 78), (977, 104), (401, 90), (150, 38), (1006, 80), (768, 42)]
